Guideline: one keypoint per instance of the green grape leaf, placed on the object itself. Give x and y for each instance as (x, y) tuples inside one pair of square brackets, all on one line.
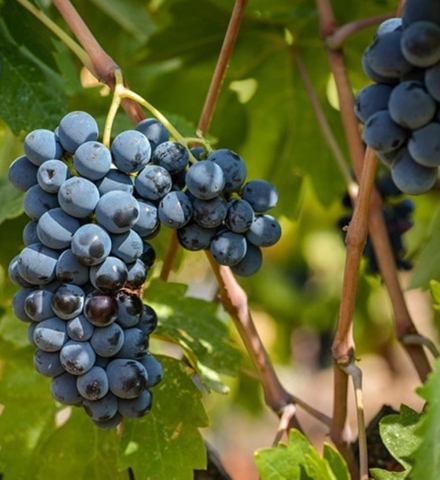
[(193, 324), (31, 93), (166, 444), (80, 450), (29, 413), (427, 456), (11, 204), (434, 287), (399, 433), (298, 460)]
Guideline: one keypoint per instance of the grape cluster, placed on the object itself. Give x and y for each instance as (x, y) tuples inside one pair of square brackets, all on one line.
[(401, 111), (84, 264), (397, 213)]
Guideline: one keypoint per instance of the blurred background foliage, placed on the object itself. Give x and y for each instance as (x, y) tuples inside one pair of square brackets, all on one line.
[(167, 50)]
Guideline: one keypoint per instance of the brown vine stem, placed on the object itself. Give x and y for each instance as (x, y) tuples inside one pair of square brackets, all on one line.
[(233, 296), (337, 39), (208, 109), (103, 66)]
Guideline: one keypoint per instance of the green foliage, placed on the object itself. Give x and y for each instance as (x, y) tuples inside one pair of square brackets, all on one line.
[(298, 460), (11, 205), (193, 324)]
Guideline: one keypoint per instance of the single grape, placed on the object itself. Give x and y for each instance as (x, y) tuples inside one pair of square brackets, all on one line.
[(70, 270), (127, 246), (36, 264), (233, 166), (42, 145), (38, 305), (205, 180), (154, 131), (148, 255), (137, 274), (382, 134), (115, 180), (108, 424), (30, 233), (175, 210), (110, 275), (261, 195), (148, 320), (385, 57), (91, 244), (172, 156), (374, 75), (50, 335), (127, 378), (209, 213), (130, 309), (228, 248), (411, 177), (421, 44), (265, 231), (22, 174), (117, 211), (131, 151), (102, 410), (432, 81), (107, 341), (48, 363), (93, 385), (424, 145), (18, 304), (411, 106), (75, 129), (371, 99), (68, 301), (148, 221), (80, 329), (78, 197), (199, 153), (153, 182), (193, 237), (77, 358), (100, 309), (239, 216), (92, 160), (154, 370), (136, 407), (52, 174), (37, 202), (64, 390), (15, 276), (55, 229), (251, 262), (135, 344)]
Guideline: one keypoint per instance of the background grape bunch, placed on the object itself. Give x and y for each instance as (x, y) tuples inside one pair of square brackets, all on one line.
[(401, 112), (397, 213), (86, 255)]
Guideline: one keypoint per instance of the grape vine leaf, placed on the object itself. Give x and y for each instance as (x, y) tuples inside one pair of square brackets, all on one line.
[(80, 450), (11, 204), (193, 324), (31, 93), (427, 456), (299, 460), (166, 444), (400, 434), (28, 417)]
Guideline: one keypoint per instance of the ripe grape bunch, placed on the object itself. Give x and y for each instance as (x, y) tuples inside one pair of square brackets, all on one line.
[(401, 111), (86, 256), (397, 214)]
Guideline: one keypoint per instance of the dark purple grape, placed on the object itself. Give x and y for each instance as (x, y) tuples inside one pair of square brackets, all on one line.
[(101, 309)]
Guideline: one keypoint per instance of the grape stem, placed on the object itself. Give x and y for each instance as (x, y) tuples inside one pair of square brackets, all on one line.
[(338, 38)]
